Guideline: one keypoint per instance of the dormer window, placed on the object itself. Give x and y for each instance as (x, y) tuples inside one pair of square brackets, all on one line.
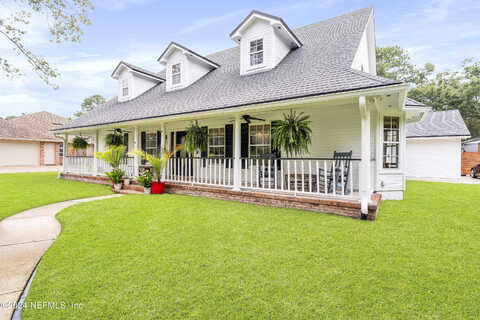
[(125, 87), (176, 74), (256, 52)]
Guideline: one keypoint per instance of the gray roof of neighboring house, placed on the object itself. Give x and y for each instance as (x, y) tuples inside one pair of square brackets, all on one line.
[(414, 103), (321, 66), (472, 141), (447, 123), (34, 126)]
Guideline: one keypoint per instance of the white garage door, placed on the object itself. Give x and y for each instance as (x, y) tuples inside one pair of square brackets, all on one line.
[(434, 158), (16, 153), (49, 150)]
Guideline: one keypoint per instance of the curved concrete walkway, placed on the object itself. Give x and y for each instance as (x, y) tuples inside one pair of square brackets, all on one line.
[(24, 238)]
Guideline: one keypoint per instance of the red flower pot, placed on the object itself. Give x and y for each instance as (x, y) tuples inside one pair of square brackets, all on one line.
[(158, 187)]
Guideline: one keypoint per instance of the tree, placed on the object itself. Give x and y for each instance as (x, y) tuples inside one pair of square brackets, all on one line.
[(90, 103), (394, 62), (65, 20)]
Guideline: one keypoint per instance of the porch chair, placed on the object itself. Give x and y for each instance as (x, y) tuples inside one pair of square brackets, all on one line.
[(338, 157), (270, 176)]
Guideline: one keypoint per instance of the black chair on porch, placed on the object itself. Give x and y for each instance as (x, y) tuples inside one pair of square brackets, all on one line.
[(339, 158), (266, 170)]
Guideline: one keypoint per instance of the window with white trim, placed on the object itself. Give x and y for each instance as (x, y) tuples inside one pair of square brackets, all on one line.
[(216, 142), (259, 139), (391, 141), (125, 87), (176, 74), (151, 146), (60, 149), (256, 52)]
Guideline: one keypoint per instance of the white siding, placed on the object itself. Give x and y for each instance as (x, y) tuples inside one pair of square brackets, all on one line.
[(434, 158), (19, 153), (191, 70), (136, 84), (258, 29), (365, 55)]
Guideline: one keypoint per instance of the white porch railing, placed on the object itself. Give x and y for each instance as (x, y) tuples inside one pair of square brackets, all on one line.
[(86, 165), (288, 175)]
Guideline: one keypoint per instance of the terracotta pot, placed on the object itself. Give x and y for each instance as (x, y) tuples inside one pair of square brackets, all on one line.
[(158, 187), (117, 187), (147, 190)]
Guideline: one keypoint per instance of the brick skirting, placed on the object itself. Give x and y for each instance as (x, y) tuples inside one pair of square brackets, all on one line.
[(348, 208)]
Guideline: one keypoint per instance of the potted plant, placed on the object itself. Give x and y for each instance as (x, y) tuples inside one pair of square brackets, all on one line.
[(114, 139), (79, 143), (158, 164), (145, 180), (196, 138), (292, 135), (113, 156)]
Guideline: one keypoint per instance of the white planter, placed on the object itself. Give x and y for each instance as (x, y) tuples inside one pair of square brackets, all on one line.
[(126, 182), (147, 190), (117, 187)]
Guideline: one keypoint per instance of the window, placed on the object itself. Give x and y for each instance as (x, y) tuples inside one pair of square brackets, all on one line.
[(256, 52), (176, 74), (125, 87), (151, 146), (259, 140), (216, 142), (391, 141), (60, 149)]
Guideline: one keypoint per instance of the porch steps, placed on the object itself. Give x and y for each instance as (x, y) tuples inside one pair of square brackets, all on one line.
[(133, 187), (128, 191)]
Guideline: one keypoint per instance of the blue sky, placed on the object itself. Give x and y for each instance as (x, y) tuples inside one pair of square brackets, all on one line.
[(443, 32)]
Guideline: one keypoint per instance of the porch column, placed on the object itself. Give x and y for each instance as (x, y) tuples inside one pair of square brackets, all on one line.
[(365, 175), (65, 151), (162, 146), (237, 166), (136, 159), (95, 149)]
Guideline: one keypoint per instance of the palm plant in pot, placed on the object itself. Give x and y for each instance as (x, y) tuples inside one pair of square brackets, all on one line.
[(292, 135), (158, 165), (113, 156), (196, 138)]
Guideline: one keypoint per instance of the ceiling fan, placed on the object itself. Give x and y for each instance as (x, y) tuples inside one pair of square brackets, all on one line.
[(249, 118), (119, 131)]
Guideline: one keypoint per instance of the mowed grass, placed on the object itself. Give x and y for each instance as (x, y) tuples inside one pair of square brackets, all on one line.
[(180, 257), (22, 191)]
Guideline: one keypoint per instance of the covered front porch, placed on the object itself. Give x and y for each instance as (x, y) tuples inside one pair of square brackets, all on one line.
[(339, 166)]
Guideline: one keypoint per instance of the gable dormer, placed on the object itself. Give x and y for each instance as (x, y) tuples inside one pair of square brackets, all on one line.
[(365, 57), (264, 41), (183, 66), (133, 80)]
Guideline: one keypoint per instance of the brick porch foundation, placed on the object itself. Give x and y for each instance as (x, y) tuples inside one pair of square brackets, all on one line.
[(348, 208)]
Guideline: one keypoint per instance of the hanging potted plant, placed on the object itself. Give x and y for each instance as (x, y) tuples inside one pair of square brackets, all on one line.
[(79, 142), (114, 139), (158, 165), (145, 180), (196, 138), (113, 156), (292, 135)]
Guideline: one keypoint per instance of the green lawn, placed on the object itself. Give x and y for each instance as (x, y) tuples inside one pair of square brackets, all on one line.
[(22, 191), (176, 257)]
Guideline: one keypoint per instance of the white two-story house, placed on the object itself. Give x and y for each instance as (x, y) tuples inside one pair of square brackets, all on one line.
[(325, 69)]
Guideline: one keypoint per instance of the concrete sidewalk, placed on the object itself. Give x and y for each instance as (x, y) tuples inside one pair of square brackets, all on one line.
[(24, 238)]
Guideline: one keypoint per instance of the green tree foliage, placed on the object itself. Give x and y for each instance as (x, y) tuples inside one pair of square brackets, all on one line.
[(393, 62), (89, 104), (65, 18), (448, 90)]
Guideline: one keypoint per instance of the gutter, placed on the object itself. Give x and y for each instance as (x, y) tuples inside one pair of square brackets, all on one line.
[(263, 104)]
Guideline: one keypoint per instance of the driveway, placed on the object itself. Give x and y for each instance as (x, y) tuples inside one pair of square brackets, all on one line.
[(24, 238), (13, 169)]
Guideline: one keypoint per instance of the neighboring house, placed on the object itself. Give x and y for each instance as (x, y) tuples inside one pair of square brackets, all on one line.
[(326, 70), (27, 140), (434, 145), (470, 155)]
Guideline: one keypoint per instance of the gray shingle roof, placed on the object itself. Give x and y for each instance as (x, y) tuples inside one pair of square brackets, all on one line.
[(447, 123), (321, 66), (140, 69), (414, 103)]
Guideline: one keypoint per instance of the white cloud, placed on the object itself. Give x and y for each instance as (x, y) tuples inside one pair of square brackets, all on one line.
[(209, 21), (121, 4), (17, 99)]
